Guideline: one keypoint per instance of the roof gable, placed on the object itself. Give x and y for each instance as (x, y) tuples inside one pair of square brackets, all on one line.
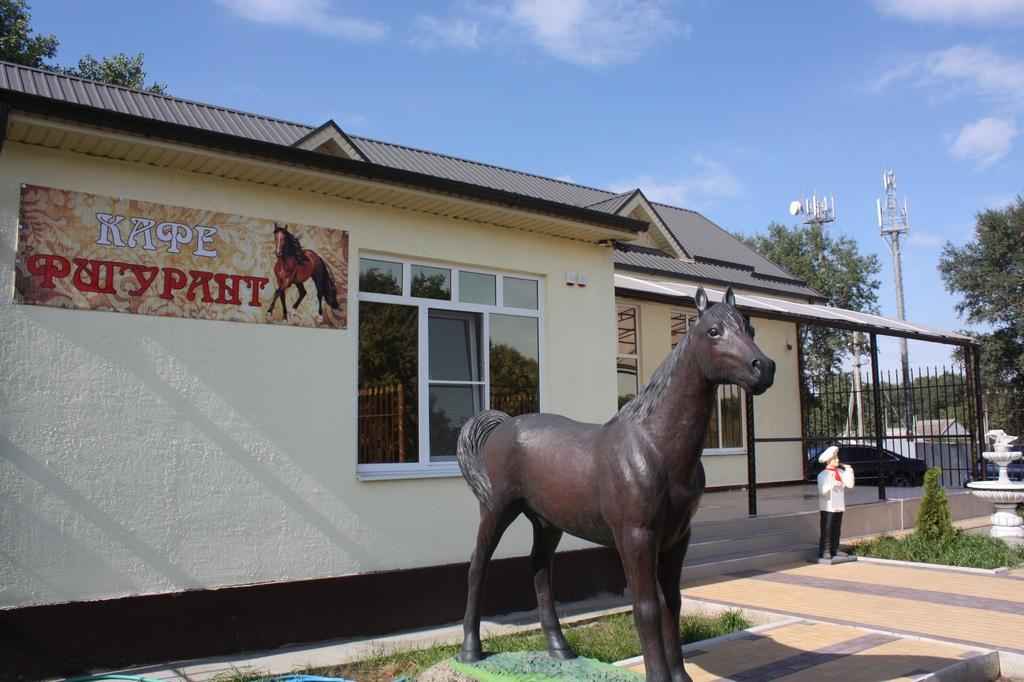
[(330, 139), (637, 206)]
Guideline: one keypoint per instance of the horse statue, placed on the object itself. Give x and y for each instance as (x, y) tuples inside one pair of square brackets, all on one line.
[(632, 483), (295, 265)]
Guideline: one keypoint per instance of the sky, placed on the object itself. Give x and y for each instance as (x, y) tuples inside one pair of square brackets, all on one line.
[(733, 109)]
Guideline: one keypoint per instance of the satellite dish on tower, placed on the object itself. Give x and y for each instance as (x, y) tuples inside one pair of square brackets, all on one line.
[(794, 208)]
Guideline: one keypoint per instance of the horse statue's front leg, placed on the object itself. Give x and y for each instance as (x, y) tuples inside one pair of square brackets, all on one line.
[(638, 550), (670, 568)]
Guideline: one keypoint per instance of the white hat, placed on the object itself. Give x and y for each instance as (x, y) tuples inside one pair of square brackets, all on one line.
[(828, 454)]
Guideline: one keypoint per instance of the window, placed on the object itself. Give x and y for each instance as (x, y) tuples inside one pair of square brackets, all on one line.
[(444, 343), (628, 360), (727, 426)]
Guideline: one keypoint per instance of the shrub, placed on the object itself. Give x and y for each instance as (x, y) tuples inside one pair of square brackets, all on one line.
[(934, 522)]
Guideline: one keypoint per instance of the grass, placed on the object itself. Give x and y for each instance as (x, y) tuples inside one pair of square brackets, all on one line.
[(960, 549), (607, 639)]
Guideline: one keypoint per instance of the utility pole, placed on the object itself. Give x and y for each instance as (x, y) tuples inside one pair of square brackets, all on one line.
[(893, 223)]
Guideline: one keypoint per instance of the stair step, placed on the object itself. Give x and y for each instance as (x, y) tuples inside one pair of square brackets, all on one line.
[(746, 562)]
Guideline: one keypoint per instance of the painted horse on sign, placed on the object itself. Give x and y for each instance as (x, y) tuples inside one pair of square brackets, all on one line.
[(632, 483)]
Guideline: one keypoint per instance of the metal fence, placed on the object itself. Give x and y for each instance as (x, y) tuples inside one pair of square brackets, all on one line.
[(928, 416)]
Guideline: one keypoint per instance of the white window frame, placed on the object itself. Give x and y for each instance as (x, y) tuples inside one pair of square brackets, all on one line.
[(425, 468), (742, 448)]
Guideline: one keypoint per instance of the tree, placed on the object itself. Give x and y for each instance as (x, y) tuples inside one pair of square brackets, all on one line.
[(988, 273), (119, 69), (835, 267), (17, 44), (20, 46), (934, 522)]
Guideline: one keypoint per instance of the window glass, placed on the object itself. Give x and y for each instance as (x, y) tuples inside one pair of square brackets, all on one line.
[(519, 293), (428, 282), (627, 329), (711, 439), (454, 346), (681, 323), (629, 382), (515, 364), (476, 287), (732, 417), (451, 406), (380, 276), (388, 383)]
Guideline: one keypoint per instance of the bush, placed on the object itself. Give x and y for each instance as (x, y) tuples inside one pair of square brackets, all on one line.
[(934, 522), (959, 549)]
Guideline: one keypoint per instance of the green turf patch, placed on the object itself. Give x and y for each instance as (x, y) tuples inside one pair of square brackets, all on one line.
[(537, 666)]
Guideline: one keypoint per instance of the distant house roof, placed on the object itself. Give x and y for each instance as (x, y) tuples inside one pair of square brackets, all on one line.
[(720, 254), (938, 428)]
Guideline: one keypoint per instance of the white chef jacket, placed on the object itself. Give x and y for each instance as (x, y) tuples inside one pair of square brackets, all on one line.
[(832, 493)]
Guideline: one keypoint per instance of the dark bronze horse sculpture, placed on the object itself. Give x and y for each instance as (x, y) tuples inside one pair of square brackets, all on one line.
[(633, 483)]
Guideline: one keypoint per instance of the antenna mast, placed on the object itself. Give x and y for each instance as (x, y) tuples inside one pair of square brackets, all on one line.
[(893, 223)]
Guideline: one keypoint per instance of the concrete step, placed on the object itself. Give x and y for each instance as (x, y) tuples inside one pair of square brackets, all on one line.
[(801, 525), (757, 543), (742, 561)]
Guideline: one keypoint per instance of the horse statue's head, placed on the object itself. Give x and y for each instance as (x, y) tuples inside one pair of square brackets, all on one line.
[(725, 348)]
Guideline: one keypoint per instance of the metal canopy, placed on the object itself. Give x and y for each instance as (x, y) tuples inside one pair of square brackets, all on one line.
[(780, 309)]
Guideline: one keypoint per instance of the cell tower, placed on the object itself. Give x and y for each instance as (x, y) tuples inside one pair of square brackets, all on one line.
[(818, 211), (893, 223)]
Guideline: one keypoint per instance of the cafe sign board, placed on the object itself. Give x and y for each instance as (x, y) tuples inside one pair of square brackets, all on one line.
[(92, 252)]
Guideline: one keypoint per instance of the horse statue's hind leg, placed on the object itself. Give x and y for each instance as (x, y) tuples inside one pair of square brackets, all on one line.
[(545, 541), (302, 295), (493, 525)]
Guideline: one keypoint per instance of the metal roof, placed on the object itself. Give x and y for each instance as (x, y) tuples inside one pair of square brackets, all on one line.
[(698, 236), (762, 306), (644, 259)]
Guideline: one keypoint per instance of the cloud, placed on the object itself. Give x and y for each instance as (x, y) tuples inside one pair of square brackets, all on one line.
[(315, 16), (985, 141), (431, 32), (711, 181), (994, 12), (593, 32), (978, 68)]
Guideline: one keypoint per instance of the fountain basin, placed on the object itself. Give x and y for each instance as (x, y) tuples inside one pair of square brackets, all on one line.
[(1004, 495)]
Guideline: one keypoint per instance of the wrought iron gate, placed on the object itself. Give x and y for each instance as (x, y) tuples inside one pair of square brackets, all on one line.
[(930, 416)]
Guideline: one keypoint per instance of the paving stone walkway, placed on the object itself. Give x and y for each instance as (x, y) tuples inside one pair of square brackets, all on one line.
[(864, 622)]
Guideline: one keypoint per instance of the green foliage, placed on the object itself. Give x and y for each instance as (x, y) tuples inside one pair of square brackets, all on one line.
[(988, 274), (836, 268), (608, 639), (934, 522), (960, 549), (17, 44), (118, 69)]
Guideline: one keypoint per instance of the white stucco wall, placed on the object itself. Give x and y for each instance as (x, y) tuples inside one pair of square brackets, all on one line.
[(145, 454), (776, 413)]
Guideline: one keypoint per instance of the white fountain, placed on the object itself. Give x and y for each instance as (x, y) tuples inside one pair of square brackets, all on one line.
[(1003, 493)]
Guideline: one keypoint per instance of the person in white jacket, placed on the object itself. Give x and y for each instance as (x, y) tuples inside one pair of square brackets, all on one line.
[(833, 481)]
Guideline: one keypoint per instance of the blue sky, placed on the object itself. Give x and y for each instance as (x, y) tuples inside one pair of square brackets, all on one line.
[(730, 108)]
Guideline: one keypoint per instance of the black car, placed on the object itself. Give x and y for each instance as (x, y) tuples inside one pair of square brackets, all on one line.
[(867, 463)]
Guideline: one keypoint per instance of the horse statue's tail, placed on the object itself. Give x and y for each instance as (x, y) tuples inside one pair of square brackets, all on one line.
[(330, 289), (472, 437)]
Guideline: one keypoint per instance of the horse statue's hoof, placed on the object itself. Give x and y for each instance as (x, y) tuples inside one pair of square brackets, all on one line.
[(562, 654), (470, 656)]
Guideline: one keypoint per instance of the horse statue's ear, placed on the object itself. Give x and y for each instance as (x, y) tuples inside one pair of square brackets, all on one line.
[(730, 297), (701, 299)]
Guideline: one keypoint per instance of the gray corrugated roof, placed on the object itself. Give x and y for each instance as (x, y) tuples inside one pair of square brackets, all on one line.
[(148, 105), (653, 260), (613, 203), (700, 237)]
